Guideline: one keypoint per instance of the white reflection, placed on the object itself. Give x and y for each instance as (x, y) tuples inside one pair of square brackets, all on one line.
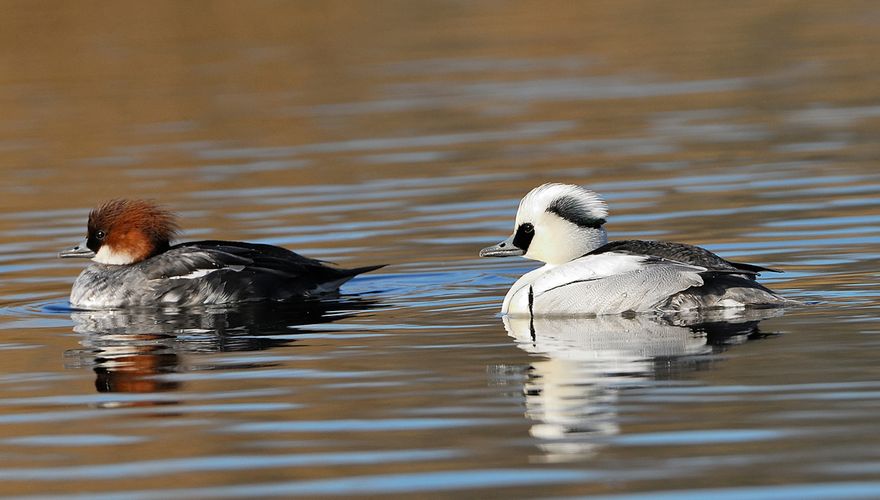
[(572, 388)]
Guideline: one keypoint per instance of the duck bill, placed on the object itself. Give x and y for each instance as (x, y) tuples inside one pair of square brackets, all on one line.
[(504, 249), (80, 251)]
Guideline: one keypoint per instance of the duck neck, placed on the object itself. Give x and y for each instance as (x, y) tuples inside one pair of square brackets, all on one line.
[(582, 242)]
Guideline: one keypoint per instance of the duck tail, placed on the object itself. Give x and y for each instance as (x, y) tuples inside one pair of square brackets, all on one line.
[(341, 276), (752, 268), (351, 273)]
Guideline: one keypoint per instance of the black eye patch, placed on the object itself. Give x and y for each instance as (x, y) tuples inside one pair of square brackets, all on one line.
[(523, 237), (94, 240)]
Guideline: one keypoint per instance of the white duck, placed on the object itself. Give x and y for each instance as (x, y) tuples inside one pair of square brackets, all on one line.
[(562, 225)]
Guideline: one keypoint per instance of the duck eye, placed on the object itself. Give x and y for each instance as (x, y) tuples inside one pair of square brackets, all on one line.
[(100, 234)]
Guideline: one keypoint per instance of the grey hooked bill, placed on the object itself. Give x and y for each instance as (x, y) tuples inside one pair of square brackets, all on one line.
[(504, 249), (81, 250)]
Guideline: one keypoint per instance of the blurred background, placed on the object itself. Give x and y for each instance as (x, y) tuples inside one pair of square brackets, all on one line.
[(405, 133)]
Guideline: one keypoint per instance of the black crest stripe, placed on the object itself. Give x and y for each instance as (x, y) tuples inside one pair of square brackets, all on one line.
[(572, 210)]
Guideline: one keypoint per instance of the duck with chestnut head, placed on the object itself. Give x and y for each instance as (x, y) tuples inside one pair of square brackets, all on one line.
[(135, 264)]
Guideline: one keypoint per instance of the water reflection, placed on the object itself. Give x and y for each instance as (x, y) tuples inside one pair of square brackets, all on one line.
[(130, 349), (572, 390)]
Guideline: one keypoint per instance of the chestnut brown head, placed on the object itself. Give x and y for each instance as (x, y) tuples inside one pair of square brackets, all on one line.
[(125, 232)]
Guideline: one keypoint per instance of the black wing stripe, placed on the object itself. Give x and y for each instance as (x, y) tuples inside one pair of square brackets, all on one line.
[(569, 283)]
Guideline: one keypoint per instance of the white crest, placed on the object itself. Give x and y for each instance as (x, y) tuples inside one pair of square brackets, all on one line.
[(581, 201)]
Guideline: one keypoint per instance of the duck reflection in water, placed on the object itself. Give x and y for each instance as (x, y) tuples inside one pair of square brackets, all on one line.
[(131, 349), (572, 390)]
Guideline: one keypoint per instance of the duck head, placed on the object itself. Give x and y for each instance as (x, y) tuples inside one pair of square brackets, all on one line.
[(124, 232), (555, 223)]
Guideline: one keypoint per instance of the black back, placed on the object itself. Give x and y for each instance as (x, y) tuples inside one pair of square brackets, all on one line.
[(680, 252)]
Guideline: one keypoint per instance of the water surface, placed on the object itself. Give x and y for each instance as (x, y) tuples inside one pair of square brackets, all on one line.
[(406, 135)]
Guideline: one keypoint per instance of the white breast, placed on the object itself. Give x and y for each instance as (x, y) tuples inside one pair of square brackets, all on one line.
[(608, 283)]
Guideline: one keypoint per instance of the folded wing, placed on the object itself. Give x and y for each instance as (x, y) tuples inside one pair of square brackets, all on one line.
[(239, 272), (611, 283)]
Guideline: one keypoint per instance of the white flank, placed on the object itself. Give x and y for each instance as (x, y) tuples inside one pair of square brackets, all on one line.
[(607, 283), (106, 255), (591, 267)]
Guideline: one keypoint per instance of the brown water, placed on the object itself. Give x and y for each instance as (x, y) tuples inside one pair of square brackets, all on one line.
[(405, 133)]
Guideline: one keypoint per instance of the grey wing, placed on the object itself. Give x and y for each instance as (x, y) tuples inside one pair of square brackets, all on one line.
[(191, 275), (640, 289), (183, 262)]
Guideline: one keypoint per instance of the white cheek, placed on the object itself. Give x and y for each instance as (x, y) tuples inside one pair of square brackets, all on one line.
[(554, 241), (106, 255), (539, 249)]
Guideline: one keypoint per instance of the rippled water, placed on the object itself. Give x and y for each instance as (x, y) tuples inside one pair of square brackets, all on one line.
[(406, 135)]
